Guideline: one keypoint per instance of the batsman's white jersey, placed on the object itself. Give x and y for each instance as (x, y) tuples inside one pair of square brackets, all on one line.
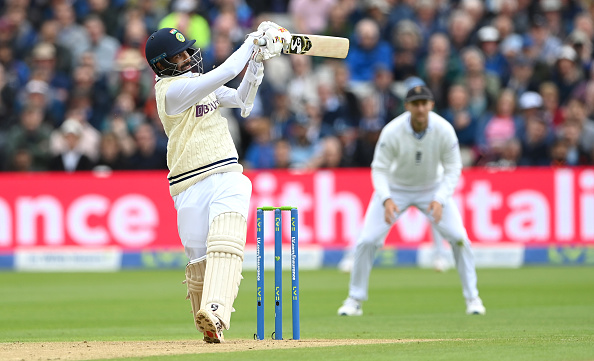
[(408, 169), (200, 146)]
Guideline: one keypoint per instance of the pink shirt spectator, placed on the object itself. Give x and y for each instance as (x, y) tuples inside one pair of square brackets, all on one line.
[(499, 130), (310, 16)]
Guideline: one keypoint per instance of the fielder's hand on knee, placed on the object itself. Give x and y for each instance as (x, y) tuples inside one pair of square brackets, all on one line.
[(435, 209), (390, 211)]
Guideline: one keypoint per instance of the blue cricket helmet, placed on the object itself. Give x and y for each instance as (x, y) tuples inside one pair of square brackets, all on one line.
[(165, 43)]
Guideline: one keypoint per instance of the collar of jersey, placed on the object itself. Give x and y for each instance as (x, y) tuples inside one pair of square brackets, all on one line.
[(412, 131)]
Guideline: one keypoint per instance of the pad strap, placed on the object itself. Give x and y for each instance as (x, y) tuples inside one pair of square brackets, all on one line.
[(195, 271), (226, 241)]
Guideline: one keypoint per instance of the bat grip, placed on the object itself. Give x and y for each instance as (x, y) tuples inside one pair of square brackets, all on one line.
[(260, 41)]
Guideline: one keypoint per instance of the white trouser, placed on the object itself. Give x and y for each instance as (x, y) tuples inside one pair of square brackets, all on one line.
[(198, 205), (375, 229)]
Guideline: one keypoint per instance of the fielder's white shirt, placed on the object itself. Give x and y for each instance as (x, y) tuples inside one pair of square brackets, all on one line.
[(403, 162)]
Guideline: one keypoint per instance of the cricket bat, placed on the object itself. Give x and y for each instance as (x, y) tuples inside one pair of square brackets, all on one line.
[(314, 45)]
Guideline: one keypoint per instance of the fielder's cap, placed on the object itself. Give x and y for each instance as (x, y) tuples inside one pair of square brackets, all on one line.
[(418, 93), (530, 100)]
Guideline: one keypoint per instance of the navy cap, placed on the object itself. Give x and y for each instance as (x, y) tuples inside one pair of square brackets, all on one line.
[(418, 93)]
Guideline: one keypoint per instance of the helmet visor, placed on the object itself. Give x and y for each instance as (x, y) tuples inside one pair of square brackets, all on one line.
[(193, 63)]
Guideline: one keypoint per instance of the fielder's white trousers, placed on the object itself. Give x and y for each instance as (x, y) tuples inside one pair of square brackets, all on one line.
[(375, 229), (198, 205)]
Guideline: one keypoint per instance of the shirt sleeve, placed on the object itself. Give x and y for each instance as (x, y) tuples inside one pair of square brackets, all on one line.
[(380, 166), (186, 92), (232, 98), (452, 166)]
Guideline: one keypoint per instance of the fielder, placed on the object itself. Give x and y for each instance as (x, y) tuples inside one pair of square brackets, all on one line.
[(210, 193), (406, 172)]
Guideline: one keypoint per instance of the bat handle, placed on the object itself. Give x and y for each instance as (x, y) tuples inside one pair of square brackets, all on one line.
[(260, 41)]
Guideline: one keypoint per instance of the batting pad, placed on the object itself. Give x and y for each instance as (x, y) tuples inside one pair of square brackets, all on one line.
[(195, 281), (224, 254)]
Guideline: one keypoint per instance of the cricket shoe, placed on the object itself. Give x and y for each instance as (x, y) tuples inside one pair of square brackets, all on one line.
[(210, 326), (475, 306), (350, 307)]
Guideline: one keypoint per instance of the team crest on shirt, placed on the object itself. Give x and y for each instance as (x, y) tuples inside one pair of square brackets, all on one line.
[(203, 109)]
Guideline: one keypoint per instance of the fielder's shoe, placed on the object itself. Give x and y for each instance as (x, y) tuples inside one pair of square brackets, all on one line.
[(210, 326), (350, 307), (475, 307)]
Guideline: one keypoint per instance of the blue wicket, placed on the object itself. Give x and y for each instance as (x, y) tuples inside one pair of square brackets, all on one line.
[(278, 306)]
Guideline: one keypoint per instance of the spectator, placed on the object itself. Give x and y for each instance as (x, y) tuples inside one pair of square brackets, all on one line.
[(187, 21), (369, 132), (530, 105), (543, 44), (460, 26), (510, 155), (407, 42), (21, 161), (110, 155), (302, 86), (439, 45), (345, 94), (71, 159), (536, 142), (389, 104), (89, 137), (310, 16), (103, 47), (367, 50), (550, 100), (63, 56), (260, 153), (147, 155), (484, 86), (435, 78), (575, 112), (494, 129), (559, 152), (282, 154), (567, 75), (338, 21), (521, 80), (428, 19), (8, 94), (71, 35), (576, 154), (17, 72), (17, 29), (495, 62), (282, 116), (31, 135), (303, 147), (465, 123), (109, 13), (330, 155)]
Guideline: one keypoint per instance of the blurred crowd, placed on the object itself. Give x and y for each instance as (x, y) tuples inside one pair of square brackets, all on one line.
[(514, 77)]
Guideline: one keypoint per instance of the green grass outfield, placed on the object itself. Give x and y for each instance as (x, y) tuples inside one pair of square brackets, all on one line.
[(532, 313)]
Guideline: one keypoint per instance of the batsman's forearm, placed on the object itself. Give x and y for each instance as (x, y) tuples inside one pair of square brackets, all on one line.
[(249, 86)]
